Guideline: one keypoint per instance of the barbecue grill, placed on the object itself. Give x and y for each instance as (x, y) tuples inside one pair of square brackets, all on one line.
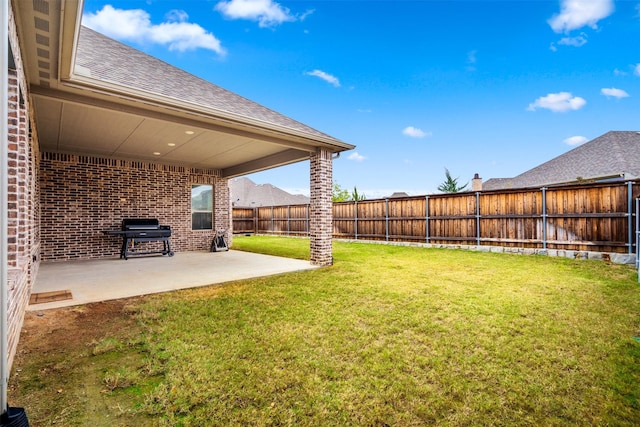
[(135, 230)]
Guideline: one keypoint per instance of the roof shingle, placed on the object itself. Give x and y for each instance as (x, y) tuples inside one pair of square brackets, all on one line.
[(616, 153), (105, 59)]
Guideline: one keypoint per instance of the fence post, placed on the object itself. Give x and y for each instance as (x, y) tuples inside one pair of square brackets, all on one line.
[(478, 218), (355, 218), (629, 214), (272, 221), (288, 220), (426, 211), (544, 218), (386, 219), (307, 221), (637, 237), (255, 220)]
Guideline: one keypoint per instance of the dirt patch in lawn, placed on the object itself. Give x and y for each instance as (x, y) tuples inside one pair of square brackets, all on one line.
[(69, 368)]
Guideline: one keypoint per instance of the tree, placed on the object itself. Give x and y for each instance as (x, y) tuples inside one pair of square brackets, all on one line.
[(450, 185), (339, 194), (356, 196)]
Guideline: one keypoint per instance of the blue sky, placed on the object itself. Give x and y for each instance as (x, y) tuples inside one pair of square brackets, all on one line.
[(487, 87)]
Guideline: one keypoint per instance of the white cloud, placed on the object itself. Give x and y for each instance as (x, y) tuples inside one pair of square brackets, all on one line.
[(558, 102), (135, 25), (576, 14), (575, 140), (304, 16), (177, 15), (356, 156), (635, 69), (324, 76), (267, 12), (472, 56), (415, 132), (612, 91), (577, 41)]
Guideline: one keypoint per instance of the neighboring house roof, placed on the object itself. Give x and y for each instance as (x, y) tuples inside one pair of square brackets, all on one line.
[(92, 95), (246, 193), (398, 194), (614, 155)]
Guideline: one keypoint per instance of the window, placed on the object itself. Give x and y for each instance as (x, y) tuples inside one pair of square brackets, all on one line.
[(201, 207)]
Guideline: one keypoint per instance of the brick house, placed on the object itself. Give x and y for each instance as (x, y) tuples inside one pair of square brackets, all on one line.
[(98, 131)]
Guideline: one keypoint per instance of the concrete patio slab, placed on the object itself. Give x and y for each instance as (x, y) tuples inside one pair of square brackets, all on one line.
[(100, 280)]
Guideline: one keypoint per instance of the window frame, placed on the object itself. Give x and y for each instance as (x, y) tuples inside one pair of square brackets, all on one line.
[(201, 224)]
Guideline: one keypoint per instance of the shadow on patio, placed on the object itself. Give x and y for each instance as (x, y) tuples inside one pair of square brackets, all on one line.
[(81, 282)]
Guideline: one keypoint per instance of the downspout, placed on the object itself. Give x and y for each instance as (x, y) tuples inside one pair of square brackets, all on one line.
[(10, 417)]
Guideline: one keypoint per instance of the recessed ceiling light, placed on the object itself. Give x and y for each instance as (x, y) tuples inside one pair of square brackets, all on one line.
[(189, 132), (171, 144), (156, 153)]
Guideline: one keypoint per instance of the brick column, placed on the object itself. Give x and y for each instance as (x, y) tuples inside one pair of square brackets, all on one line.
[(222, 208), (321, 208)]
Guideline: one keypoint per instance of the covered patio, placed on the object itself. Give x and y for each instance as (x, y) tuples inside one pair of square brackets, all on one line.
[(72, 283), (95, 132)]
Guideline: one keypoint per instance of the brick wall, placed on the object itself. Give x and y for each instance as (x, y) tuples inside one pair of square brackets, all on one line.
[(23, 237), (222, 209), (83, 195), (320, 209)]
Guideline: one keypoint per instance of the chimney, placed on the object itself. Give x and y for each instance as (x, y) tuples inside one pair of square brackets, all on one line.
[(476, 183)]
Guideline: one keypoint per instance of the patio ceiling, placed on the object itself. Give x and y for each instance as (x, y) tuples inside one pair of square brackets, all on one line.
[(78, 112), (70, 123)]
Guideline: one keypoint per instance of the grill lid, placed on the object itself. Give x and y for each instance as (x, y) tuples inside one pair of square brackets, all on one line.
[(140, 224)]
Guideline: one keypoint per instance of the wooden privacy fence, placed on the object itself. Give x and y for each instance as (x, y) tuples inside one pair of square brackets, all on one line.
[(585, 217)]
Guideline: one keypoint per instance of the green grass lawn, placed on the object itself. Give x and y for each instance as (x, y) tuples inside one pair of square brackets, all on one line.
[(388, 335)]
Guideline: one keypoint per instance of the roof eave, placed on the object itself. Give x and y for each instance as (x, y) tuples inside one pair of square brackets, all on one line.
[(82, 82), (71, 19)]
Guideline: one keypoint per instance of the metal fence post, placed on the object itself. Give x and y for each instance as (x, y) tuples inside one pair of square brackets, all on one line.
[(637, 236), (478, 218), (544, 218), (629, 215), (386, 219), (355, 218), (426, 210), (255, 220)]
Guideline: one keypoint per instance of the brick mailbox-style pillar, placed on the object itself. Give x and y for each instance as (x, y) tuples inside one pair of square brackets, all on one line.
[(321, 208)]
